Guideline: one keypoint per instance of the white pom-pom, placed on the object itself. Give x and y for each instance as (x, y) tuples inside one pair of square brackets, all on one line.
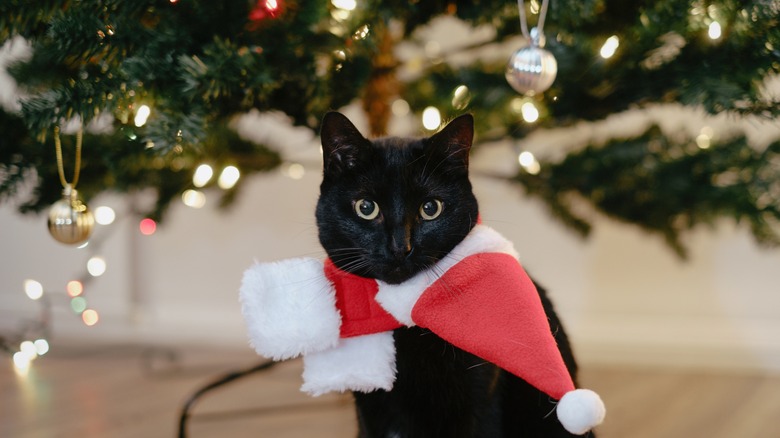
[(289, 308), (580, 411)]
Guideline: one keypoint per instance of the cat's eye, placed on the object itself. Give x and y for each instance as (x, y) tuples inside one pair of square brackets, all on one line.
[(366, 209), (430, 210)]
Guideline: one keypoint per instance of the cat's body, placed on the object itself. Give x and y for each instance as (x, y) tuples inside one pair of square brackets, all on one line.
[(390, 208)]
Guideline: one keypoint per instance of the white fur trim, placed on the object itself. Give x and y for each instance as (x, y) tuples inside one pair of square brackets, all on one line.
[(363, 363), (580, 411), (481, 239), (399, 300), (289, 308)]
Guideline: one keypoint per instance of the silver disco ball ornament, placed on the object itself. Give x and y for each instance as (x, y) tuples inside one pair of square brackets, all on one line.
[(531, 70)]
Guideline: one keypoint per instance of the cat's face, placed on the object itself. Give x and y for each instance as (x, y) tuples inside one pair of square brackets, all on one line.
[(392, 207)]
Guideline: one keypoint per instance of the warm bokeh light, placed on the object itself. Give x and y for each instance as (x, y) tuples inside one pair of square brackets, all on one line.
[(461, 97), (229, 177), (90, 317), (74, 288), (296, 171), (529, 162), (193, 198), (609, 47), (142, 115), (104, 215), (526, 158), (361, 33), (28, 349), (96, 266), (147, 226), (347, 5), (21, 363), (703, 141), (714, 31), (33, 289), (431, 118), (41, 346), (202, 175), (529, 112)]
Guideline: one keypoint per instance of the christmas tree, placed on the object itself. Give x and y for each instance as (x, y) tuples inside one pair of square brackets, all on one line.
[(158, 82)]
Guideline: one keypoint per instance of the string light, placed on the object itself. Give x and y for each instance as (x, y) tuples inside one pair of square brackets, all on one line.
[(33, 289), (78, 305), (361, 33), (529, 162), (74, 288), (90, 317), (271, 5), (142, 115), (96, 266), (193, 198), (714, 31), (529, 112), (296, 171), (147, 226), (431, 118), (202, 175), (41, 346), (21, 363), (461, 97), (104, 215), (229, 177), (609, 47), (704, 139), (343, 9), (347, 5)]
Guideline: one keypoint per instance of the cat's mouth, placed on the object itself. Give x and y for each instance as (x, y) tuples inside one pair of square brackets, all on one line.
[(396, 274)]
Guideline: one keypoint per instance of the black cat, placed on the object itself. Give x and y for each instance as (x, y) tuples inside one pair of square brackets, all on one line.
[(388, 209)]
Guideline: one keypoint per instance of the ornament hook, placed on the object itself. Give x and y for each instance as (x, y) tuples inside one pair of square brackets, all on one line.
[(536, 36), (60, 168)]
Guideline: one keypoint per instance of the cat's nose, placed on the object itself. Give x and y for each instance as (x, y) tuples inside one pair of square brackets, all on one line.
[(401, 251), (401, 245)]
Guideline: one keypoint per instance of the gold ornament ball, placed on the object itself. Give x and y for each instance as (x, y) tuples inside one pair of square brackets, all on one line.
[(70, 221), (531, 70)]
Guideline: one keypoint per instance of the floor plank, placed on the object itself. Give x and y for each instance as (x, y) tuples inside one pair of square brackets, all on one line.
[(133, 391)]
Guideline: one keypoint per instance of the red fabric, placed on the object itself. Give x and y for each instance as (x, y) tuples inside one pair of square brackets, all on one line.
[(487, 305), (361, 314)]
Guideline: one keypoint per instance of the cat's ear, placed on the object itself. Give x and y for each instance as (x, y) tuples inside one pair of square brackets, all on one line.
[(341, 142), (454, 140)]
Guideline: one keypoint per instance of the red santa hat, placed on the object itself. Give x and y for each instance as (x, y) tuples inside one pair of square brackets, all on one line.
[(483, 303)]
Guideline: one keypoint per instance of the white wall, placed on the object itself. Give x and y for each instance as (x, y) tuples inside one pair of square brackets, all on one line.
[(625, 298)]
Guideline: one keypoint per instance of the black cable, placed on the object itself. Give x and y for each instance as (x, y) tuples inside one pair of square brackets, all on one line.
[(227, 378)]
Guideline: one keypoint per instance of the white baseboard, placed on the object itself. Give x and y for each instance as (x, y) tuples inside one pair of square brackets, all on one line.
[(672, 341)]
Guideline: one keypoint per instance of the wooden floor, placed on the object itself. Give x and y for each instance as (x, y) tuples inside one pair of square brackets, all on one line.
[(124, 392)]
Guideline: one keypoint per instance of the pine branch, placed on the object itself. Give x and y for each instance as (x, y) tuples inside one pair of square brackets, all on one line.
[(666, 187)]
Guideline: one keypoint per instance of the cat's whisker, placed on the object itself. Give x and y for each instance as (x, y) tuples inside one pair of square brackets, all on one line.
[(356, 265), (478, 365)]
